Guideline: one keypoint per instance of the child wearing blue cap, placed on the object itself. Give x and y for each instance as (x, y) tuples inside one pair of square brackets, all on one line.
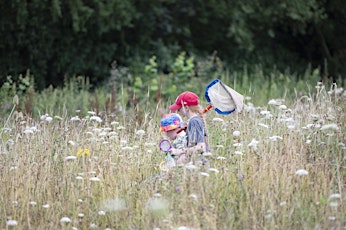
[(172, 124)]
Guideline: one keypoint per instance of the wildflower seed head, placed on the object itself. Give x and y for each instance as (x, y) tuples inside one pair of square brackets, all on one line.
[(16, 100)]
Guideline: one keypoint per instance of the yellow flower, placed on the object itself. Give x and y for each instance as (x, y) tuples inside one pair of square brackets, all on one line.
[(83, 152)]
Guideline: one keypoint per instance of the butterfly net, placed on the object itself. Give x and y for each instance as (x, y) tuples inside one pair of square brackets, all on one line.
[(224, 99)]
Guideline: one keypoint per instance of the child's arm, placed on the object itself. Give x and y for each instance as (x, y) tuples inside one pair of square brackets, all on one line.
[(189, 150)]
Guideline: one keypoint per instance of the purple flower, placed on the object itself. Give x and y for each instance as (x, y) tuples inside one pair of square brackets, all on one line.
[(7, 106), (177, 188)]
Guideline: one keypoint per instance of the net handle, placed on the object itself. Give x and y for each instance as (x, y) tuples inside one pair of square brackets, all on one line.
[(206, 109)]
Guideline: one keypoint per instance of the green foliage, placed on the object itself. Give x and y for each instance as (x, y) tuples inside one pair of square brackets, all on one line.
[(21, 87), (183, 70), (128, 92), (60, 39)]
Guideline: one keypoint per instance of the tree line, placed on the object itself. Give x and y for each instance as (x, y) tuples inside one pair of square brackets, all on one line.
[(58, 39)]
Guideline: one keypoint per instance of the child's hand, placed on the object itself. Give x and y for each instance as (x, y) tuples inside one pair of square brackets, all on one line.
[(176, 152)]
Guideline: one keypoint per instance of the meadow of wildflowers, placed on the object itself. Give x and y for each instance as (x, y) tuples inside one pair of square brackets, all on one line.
[(281, 165)]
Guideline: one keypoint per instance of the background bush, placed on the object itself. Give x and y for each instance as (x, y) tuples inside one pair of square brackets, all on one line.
[(59, 40)]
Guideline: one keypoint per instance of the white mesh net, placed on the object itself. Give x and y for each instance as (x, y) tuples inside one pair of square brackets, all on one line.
[(225, 98)]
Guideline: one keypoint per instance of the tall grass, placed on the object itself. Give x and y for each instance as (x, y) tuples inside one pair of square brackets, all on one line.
[(277, 165)]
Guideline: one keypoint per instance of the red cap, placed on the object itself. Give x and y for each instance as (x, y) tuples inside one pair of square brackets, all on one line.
[(187, 99)]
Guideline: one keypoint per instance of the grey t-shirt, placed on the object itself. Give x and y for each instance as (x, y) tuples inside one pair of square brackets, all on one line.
[(196, 132)]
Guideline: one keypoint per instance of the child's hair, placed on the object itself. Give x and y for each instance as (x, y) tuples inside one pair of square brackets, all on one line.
[(198, 110), (170, 121)]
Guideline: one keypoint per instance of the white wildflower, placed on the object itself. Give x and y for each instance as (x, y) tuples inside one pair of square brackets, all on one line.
[(185, 228), (123, 142), (238, 153), (283, 203), (34, 129), (140, 132), (95, 179), (157, 195), (290, 119), (190, 166), (102, 213), (43, 117), (70, 158), (127, 148), (236, 133), (11, 223), (45, 206), (33, 203), (221, 158), (28, 131), (213, 170), (331, 218), (112, 133), (335, 196), (207, 154), (71, 143), (65, 220), (272, 102), (315, 117), (265, 112), (263, 125), (301, 172), (204, 174), (113, 123), (193, 196), (81, 215), (91, 112), (48, 119), (282, 107), (102, 134), (275, 138), (249, 108), (76, 118), (330, 127), (253, 144), (93, 225), (290, 127), (218, 119), (96, 118)]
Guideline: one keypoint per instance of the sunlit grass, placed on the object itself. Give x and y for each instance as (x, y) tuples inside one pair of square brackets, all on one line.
[(277, 166)]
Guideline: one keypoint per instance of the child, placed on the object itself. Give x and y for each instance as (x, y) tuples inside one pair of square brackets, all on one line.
[(171, 124), (187, 105)]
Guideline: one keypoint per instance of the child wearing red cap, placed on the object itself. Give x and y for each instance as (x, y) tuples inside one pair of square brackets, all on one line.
[(187, 105), (171, 124)]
